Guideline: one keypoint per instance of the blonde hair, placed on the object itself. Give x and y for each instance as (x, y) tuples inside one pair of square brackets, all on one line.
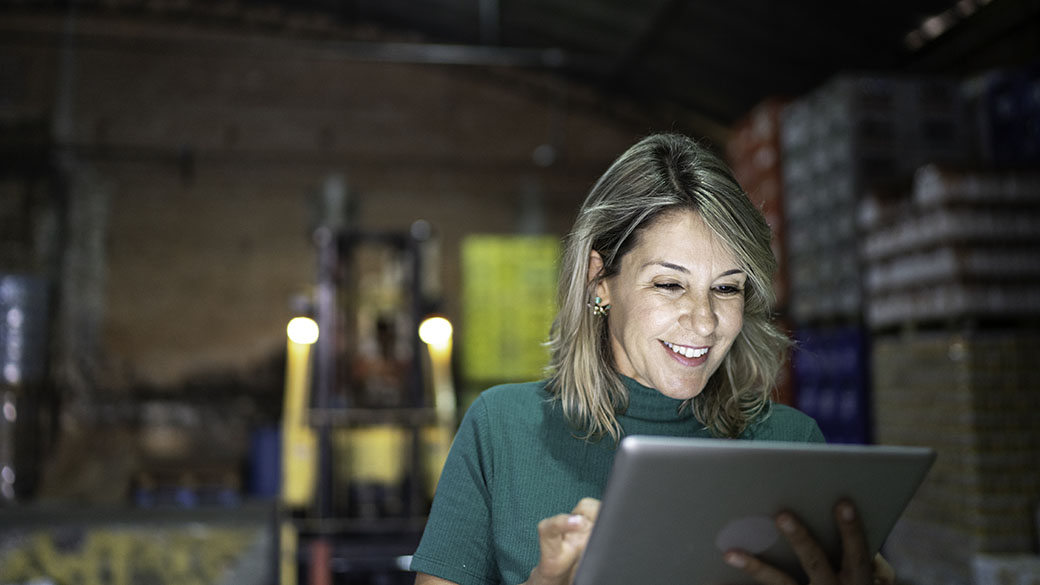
[(663, 173)]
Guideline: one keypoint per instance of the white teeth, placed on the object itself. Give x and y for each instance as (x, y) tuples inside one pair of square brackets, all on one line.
[(689, 352)]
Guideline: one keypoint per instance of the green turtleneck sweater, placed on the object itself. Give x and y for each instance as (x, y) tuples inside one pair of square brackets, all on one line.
[(516, 460)]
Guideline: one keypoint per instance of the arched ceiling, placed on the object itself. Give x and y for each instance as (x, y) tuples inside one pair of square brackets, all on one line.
[(710, 60)]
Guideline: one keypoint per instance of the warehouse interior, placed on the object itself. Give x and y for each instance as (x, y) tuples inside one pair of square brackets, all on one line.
[(181, 179)]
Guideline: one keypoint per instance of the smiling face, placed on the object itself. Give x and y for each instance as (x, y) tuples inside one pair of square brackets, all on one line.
[(676, 305)]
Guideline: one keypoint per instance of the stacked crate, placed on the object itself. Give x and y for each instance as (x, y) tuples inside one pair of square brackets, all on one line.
[(754, 155), (1006, 116), (953, 296), (831, 375), (846, 136), (24, 398), (966, 244), (972, 395)]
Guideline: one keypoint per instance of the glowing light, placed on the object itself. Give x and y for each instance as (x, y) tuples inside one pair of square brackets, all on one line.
[(934, 26), (939, 24), (302, 330), (12, 373), (966, 7), (15, 318), (435, 331)]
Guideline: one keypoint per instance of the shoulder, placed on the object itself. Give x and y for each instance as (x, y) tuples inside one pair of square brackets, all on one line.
[(784, 423), (512, 396), (506, 405)]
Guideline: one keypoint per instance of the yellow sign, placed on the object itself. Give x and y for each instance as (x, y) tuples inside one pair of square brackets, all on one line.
[(509, 302)]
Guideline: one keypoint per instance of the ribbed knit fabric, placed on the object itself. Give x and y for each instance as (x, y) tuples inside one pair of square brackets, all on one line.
[(516, 461)]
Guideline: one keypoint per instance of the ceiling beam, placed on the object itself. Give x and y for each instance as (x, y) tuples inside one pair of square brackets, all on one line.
[(95, 32), (1005, 33)]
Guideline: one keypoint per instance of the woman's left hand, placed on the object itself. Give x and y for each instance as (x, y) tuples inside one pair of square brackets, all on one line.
[(857, 565)]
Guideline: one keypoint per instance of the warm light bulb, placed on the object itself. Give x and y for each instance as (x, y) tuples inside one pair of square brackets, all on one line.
[(435, 331), (302, 330)]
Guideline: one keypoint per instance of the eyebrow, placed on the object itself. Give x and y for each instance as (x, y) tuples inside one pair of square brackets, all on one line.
[(684, 270)]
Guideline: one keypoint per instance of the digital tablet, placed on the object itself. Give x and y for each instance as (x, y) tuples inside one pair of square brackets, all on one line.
[(672, 506)]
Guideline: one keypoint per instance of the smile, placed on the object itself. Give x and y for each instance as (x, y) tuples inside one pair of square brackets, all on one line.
[(690, 352)]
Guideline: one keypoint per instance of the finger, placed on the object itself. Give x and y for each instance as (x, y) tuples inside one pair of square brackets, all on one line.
[(563, 535), (756, 569), (561, 541), (884, 574), (572, 529), (555, 528), (587, 507), (809, 552), (856, 562)]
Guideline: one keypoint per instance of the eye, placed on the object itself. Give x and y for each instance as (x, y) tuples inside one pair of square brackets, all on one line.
[(668, 285), (729, 289)]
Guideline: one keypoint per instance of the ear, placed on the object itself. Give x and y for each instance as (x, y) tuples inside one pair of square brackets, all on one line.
[(595, 275)]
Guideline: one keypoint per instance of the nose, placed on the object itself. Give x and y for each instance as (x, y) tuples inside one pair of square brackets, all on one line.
[(698, 314)]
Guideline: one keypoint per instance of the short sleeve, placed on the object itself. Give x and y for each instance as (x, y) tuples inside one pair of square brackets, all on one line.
[(457, 543)]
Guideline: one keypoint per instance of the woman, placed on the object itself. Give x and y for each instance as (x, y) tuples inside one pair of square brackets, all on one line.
[(664, 329)]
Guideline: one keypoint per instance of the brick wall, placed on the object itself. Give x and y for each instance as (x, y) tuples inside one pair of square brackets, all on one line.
[(210, 144)]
